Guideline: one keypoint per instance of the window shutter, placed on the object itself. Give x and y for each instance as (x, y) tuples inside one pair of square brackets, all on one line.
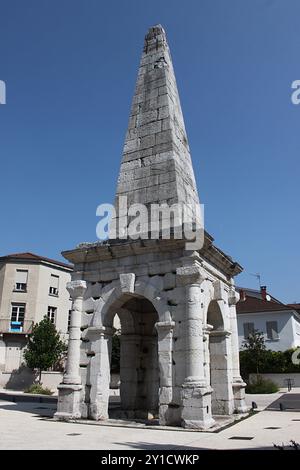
[(272, 329), (21, 276), (54, 281)]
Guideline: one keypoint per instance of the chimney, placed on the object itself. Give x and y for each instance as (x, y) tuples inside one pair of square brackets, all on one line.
[(263, 291)]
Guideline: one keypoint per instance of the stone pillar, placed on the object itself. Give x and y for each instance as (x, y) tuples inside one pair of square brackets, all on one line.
[(196, 392), (149, 370), (238, 385), (129, 365), (99, 371), (165, 349), (220, 372), (68, 406)]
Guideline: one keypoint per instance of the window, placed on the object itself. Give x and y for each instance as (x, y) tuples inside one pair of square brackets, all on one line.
[(272, 330), (52, 314), (248, 329), (54, 281), (69, 319), (21, 280), (17, 317)]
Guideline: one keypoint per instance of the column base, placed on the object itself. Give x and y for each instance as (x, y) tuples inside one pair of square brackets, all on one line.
[(71, 380), (68, 405)]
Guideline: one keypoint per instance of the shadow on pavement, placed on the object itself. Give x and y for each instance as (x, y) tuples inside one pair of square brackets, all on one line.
[(44, 410), (287, 402), (152, 446)]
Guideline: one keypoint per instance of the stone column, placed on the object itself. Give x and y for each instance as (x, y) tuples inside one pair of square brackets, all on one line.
[(165, 350), (194, 336), (68, 406), (196, 392), (99, 371), (238, 385)]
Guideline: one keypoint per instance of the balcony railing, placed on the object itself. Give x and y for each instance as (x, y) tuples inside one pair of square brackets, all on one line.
[(9, 326)]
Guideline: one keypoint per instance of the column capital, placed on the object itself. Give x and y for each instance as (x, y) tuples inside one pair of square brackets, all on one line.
[(77, 288), (192, 274)]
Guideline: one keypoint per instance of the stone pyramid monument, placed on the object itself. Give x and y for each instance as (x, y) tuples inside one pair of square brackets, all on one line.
[(179, 344), (156, 165)]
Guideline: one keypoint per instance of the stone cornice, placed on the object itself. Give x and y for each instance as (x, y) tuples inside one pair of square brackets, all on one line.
[(114, 249)]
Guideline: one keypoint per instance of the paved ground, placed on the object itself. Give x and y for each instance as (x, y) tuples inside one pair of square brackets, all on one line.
[(27, 426)]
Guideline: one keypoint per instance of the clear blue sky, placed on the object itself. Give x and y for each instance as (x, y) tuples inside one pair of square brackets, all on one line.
[(70, 68)]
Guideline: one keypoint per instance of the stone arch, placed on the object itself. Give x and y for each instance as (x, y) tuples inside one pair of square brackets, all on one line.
[(112, 296), (140, 310)]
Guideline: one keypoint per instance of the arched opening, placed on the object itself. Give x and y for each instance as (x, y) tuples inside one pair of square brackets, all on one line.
[(218, 369), (139, 372)]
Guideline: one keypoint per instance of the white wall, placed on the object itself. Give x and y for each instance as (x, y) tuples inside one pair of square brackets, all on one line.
[(286, 328), (279, 379), (37, 297), (296, 328)]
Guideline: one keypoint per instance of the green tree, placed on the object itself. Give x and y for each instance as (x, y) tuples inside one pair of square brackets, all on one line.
[(255, 347), (45, 348)]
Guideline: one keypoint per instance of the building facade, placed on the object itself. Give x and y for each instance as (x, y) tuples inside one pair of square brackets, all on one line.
[(31, 287), (279, 322)]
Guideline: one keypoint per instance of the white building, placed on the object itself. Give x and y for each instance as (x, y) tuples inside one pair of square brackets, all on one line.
[(31, 287), (279, 322)]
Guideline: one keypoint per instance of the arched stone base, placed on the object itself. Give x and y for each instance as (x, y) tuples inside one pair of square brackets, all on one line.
[(178, 362)]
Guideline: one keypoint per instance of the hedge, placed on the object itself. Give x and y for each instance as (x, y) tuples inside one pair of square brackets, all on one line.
[(279, 362)]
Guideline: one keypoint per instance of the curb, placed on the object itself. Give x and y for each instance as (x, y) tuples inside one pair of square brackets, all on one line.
[(28, 397)]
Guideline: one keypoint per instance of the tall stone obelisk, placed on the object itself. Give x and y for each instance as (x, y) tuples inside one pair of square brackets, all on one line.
[(156, 164)]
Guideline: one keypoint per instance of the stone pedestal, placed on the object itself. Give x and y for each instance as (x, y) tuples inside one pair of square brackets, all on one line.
[(68, 404), (238, 387), (196, 406)]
